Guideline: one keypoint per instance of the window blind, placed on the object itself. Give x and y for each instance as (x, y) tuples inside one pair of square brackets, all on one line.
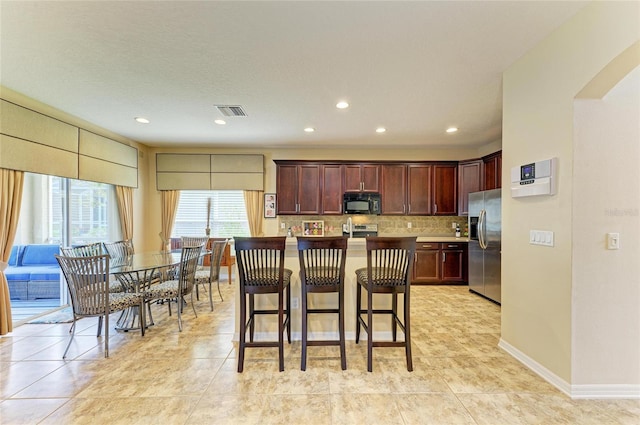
[(228, 216)]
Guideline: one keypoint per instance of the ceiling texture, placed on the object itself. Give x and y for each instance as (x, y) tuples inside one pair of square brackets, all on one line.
[(415, 68)]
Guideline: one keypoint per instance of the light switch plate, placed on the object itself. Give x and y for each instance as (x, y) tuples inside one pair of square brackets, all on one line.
[(541, 237), (613, 240)]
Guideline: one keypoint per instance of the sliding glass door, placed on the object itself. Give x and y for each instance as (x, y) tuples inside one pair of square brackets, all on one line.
[(65, 212)]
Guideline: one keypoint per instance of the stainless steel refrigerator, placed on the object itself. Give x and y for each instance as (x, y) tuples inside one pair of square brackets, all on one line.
[(485, 232)]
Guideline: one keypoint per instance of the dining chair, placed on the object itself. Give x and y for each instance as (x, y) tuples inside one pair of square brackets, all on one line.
[(388, 271), (195, 241), (211, 272), (91, 250), (88, 283), (261, 271), (322, 264), (119, 249), (181, 285)]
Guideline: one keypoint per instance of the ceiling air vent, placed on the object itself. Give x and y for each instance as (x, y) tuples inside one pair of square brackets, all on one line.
[(231, 110)]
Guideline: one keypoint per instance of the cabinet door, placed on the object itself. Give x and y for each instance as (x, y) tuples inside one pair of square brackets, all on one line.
[(419, 189), (287, 189), (426, 266), (332, 189), (445, 189), (394, 189), (352, 179), (469, 180), (309, 189), (493, 171), (370, 178), (453, 263), (361, 178)]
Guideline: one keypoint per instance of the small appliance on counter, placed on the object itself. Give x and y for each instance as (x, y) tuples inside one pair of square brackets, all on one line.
[(360, 230)]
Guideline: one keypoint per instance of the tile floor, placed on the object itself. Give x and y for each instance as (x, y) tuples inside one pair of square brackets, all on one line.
[(460, 375)]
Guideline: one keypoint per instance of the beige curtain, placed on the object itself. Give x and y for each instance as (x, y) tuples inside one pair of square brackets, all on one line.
[(169, 207), (124, 196), (254, 202), (11, 183)]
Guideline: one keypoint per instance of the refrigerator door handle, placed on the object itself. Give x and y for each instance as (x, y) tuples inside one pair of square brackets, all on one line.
[(482, 227)]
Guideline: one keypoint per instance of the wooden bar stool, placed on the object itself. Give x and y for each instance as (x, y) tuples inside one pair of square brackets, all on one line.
[(388, 271), (261, 271), (322, 263)]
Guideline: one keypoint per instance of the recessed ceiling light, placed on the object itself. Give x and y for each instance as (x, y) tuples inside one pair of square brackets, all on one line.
[(452, 129), (142, 120), (220, 122), (309, 129), (380, 130), (342, 105)]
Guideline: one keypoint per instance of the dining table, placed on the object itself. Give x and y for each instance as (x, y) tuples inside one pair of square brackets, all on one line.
[(137, 272)]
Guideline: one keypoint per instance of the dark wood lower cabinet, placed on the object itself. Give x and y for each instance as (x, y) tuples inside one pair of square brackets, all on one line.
[(426, 264), (440, 263)]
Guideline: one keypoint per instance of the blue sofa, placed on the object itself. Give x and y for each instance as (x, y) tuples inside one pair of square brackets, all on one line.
[(33, 272)]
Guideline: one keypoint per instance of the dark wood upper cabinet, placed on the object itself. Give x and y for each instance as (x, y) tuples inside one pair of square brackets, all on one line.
[(419, 193), (411, 188), (419, 189), (394, 189), (331, 189), (492, 171), (469, 180), (287, 189), (298, 189), (361, 178), (445, 189)]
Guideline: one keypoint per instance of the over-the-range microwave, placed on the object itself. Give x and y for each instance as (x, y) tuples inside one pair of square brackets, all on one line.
[(361, 203)]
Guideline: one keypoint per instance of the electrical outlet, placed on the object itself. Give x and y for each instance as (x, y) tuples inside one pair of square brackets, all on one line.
[(454, 225), (409, 225), (295, 303), (283, 225)]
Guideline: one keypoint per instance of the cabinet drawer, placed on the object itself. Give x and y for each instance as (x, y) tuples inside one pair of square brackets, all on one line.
[(427, 245), (446, 245)]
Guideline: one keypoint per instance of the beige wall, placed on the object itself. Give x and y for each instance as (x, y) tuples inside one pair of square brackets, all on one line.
[(538, 99), (606, 283)]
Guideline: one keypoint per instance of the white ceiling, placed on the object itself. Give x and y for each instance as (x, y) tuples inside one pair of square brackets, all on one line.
[(415, 68)]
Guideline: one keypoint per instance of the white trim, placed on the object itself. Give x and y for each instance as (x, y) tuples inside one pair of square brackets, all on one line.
[(608, 391), (582, 391), (536, 367)]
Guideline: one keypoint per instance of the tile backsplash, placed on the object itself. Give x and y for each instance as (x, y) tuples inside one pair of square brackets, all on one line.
[(387, 225)]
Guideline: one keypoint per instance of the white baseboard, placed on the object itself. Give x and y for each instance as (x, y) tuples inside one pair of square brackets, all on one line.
[(536, 367), (600, 391)]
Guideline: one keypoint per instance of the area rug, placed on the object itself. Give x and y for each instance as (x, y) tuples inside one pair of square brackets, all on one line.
[(64, 315)]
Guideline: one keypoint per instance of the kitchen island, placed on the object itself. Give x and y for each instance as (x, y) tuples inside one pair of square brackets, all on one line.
[(325, 326)]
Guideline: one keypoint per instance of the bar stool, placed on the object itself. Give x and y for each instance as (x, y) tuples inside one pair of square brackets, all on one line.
[(261, 271), (388, 271), (322, 263)]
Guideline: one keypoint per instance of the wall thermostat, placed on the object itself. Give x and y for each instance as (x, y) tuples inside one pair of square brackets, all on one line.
[(536, 178)]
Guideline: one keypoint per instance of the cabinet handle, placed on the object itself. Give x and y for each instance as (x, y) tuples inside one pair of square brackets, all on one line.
[(444, 257), (452, 246)]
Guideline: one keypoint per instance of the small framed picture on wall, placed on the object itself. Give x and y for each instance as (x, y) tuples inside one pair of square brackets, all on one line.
[(313, 228), (269, 205)]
